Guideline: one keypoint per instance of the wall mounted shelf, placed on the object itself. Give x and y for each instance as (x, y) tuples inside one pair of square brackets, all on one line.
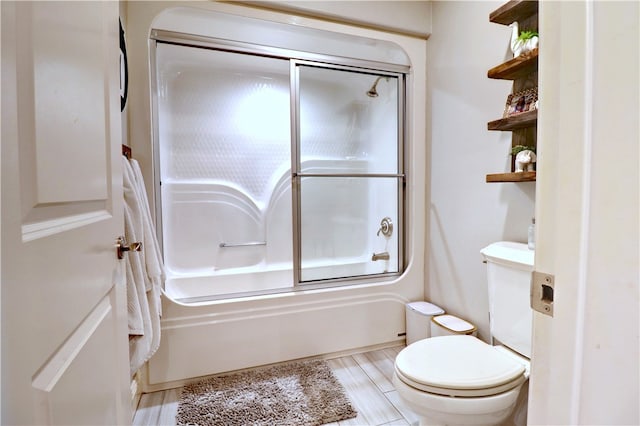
[(513, 11), (512, 177), (523, 71), (518, 67), (520, 121)]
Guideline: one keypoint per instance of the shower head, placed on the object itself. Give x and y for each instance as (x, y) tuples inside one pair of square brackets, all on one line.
[(372, 93)]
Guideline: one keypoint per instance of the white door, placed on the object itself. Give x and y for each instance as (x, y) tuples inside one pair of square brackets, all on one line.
[(64, 335), (585, 366)]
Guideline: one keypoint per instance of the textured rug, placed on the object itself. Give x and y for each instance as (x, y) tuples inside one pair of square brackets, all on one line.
[(296, 393)]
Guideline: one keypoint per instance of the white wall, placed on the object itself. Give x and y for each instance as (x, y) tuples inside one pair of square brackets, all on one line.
[(464, 213), (409, 17)]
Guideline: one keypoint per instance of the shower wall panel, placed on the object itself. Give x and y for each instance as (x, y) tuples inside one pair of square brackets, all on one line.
[(223, 118), (224, 145), (200, 217)]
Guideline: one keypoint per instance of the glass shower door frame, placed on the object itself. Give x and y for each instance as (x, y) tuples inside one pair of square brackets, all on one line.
[(297, 174), (296, 60)]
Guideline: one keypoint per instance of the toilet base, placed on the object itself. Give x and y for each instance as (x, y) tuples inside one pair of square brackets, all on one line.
[(442, 410), (446, 419)]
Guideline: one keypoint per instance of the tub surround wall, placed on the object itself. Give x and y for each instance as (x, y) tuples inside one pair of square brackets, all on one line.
[(465, 213), (241, 333)]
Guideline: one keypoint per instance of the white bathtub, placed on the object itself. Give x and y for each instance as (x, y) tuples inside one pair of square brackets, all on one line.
[(212, 337), (260, 279)]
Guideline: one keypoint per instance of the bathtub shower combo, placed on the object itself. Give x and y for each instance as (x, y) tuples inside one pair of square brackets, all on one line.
[(276, 169), (288, 222)]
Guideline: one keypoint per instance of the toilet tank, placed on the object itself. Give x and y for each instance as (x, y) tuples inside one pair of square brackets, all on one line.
[(509, 268)]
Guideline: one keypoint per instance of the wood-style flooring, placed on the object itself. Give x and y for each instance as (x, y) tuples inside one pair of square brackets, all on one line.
[(366, 378)]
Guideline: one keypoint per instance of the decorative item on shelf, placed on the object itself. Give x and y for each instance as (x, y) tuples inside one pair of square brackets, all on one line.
[(527, 159), (519, 102), (522, 42)]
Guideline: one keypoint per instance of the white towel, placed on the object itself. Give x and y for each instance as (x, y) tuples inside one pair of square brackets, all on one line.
[(138, 312), (153, 257), (144, 270)]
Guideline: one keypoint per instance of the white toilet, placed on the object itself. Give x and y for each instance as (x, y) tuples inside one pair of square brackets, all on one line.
[(459, 379)]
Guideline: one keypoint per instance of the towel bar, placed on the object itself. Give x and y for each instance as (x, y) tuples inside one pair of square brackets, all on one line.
[(250, 243)]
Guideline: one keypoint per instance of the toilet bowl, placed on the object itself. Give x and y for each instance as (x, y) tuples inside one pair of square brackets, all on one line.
[(456, 378), (459, 379)]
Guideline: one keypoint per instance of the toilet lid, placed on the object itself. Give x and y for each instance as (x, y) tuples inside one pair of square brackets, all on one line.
[(448, 363)]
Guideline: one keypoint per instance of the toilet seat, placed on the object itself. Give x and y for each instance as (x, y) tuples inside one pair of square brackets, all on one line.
[(458, 365)]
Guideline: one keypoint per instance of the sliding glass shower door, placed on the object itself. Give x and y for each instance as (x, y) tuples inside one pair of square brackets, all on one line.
[(223, 143), (348, 172), (273, 173)]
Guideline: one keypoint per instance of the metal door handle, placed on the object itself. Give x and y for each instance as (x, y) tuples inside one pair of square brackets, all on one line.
[(122, 247), (386, 227)]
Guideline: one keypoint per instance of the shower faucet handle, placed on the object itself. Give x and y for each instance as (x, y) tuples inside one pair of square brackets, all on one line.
[(386, 227)]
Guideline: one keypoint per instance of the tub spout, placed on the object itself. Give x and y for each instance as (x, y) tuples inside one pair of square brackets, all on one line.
[(380, 256)]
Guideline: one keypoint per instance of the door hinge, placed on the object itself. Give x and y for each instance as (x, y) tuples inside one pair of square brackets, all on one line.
[(542, 288)]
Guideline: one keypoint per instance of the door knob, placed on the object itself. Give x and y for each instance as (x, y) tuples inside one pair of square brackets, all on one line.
[(122, 247)]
